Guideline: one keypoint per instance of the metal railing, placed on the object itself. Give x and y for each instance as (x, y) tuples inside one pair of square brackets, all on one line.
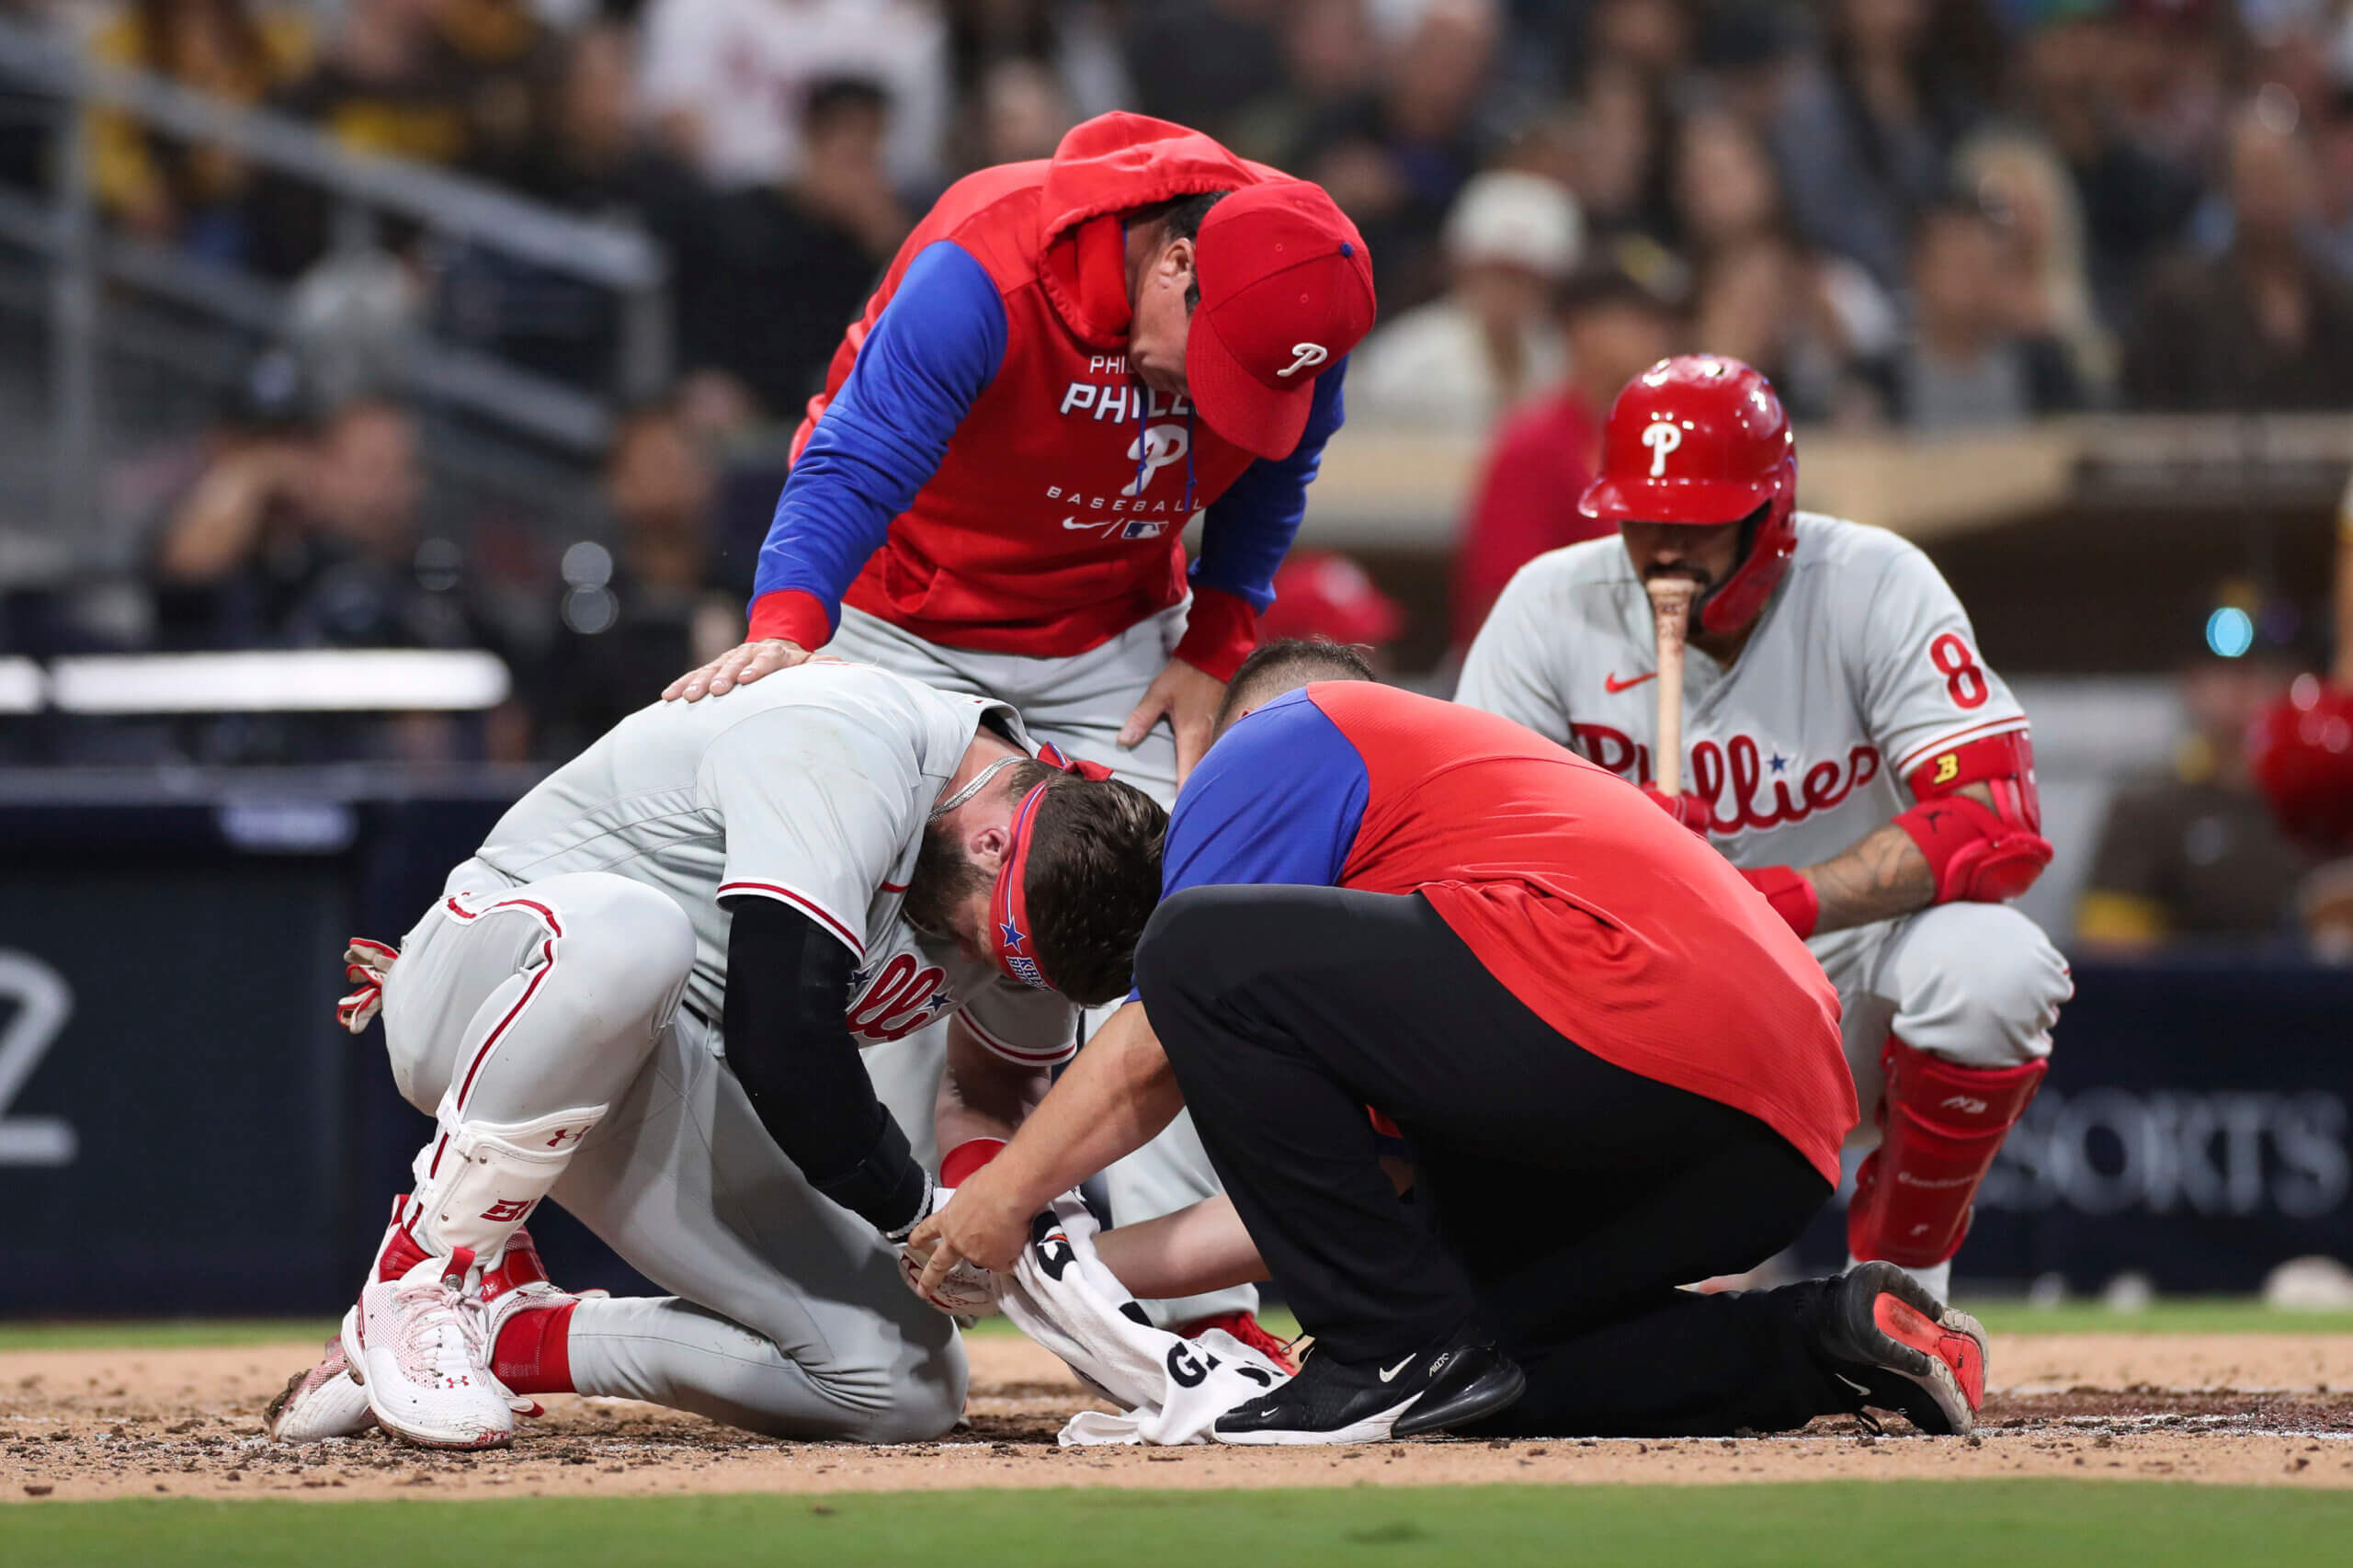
[(65, 231)]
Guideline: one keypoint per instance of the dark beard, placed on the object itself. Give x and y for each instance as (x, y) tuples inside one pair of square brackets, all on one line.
[(944, 877)]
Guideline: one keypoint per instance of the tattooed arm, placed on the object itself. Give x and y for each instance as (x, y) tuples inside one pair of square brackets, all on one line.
[(1882, 875)]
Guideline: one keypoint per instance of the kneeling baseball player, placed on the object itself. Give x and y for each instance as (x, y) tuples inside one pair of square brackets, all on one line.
[(646, 995), (1842, 745), (1618, 1070)]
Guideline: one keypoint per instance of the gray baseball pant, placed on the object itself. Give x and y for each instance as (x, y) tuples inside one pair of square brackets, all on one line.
[(787, 1316)]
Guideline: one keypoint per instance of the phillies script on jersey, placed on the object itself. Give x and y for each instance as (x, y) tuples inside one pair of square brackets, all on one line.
[(1860, 667)]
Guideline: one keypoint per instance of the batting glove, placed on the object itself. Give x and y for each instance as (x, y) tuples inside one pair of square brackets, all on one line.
[(1690, 809), (367, 965)]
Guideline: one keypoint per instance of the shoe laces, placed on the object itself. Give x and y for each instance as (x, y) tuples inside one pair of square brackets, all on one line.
[(442, 1322)]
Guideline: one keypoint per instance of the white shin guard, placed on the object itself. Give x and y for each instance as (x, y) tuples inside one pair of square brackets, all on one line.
[(478, 1181)]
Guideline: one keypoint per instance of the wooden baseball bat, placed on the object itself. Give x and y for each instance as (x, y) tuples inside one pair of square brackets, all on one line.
[(1671, 604)]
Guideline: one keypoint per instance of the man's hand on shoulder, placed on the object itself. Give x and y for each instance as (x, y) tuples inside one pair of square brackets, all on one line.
[(737, 666), (1188, 698)]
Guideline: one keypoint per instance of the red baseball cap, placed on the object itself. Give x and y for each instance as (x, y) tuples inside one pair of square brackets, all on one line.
[(1286, 289), (1323, 594)]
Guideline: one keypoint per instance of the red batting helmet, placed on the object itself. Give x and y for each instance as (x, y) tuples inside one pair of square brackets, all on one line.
[(2302, 751), (1323, 594), (1701, 439)]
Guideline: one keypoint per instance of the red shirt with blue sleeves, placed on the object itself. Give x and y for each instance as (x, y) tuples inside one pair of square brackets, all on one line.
[(1624, 932), (983, 471)]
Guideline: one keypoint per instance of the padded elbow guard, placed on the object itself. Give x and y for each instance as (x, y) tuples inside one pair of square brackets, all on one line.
[(1980, 854)]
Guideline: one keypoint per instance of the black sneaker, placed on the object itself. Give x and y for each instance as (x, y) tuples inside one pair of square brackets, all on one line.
[(1895, 1347), (1332, 1401)]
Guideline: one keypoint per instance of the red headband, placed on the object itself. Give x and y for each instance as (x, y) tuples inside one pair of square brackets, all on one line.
[(1009, 905)]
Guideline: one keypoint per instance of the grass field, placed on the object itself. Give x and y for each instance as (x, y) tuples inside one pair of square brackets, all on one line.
[(1995, 1524), (2216, 1314)]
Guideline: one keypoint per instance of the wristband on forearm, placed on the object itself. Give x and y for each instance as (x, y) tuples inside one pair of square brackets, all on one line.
[(961, 1162), (1975, 855), (1791, 894)]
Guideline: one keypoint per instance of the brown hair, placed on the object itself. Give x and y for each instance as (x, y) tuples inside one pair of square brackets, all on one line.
[(1094, 878), (1286, 664)]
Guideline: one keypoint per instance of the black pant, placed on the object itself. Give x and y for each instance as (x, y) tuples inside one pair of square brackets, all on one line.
[(1560, 1199)]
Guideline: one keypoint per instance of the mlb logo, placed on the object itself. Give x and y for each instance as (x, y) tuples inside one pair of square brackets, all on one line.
[(1142, 531)]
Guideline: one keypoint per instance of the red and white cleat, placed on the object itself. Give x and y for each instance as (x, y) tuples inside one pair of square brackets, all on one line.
[(418, 1344), (1245, 1327), (323, 1402)]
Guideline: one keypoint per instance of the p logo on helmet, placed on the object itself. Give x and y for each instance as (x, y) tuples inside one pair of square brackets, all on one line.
[(1734, 459), (1661, 437)]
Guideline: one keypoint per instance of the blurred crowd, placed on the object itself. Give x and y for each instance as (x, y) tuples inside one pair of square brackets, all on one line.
[(1923, 214)]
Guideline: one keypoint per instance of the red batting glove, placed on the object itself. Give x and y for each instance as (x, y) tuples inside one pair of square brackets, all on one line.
[(1690, 809), (1791, 896)]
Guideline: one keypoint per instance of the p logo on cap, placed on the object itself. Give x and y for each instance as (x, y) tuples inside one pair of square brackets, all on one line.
[(1303, 356), (1286, 290)]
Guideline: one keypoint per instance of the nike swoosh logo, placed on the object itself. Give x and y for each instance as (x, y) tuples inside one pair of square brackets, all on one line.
[(1390, 1374), (1859, 1388), (1614, 685), (1072, 523)]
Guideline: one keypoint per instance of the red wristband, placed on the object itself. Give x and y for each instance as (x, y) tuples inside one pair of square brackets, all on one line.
[(1791, 896), (1977, 857), (1220, 631), (792, 615), (961, 1161)]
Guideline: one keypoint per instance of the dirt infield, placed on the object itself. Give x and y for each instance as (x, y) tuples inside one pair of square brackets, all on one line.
[(2268, 1409)]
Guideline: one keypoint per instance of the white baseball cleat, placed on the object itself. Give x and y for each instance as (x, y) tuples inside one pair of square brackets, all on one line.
[(418, 1344), (323, 1402)]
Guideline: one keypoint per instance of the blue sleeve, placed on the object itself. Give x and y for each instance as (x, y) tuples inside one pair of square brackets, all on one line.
[(934, 349), (1248, 531), (1278, 798)]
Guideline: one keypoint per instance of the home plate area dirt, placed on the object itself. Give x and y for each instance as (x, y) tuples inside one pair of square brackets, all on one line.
[(2268, 1409)]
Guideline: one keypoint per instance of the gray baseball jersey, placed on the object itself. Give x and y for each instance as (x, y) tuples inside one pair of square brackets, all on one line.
[(812, 787), (1862, 668)]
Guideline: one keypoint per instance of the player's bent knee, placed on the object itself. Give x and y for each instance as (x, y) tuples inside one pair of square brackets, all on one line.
[(919, 1413), (902, 1404), (1980, 984)]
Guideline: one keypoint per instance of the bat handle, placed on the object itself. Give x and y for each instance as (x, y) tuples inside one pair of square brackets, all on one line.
[(1671, 603), (1670, 722)]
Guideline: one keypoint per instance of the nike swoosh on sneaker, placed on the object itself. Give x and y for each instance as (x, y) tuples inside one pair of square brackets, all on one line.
[(1390, 1374), (1860, 1387), (1615, 685)]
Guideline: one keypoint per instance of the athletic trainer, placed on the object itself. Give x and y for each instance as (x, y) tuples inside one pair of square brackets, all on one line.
[(1619, 1069)]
